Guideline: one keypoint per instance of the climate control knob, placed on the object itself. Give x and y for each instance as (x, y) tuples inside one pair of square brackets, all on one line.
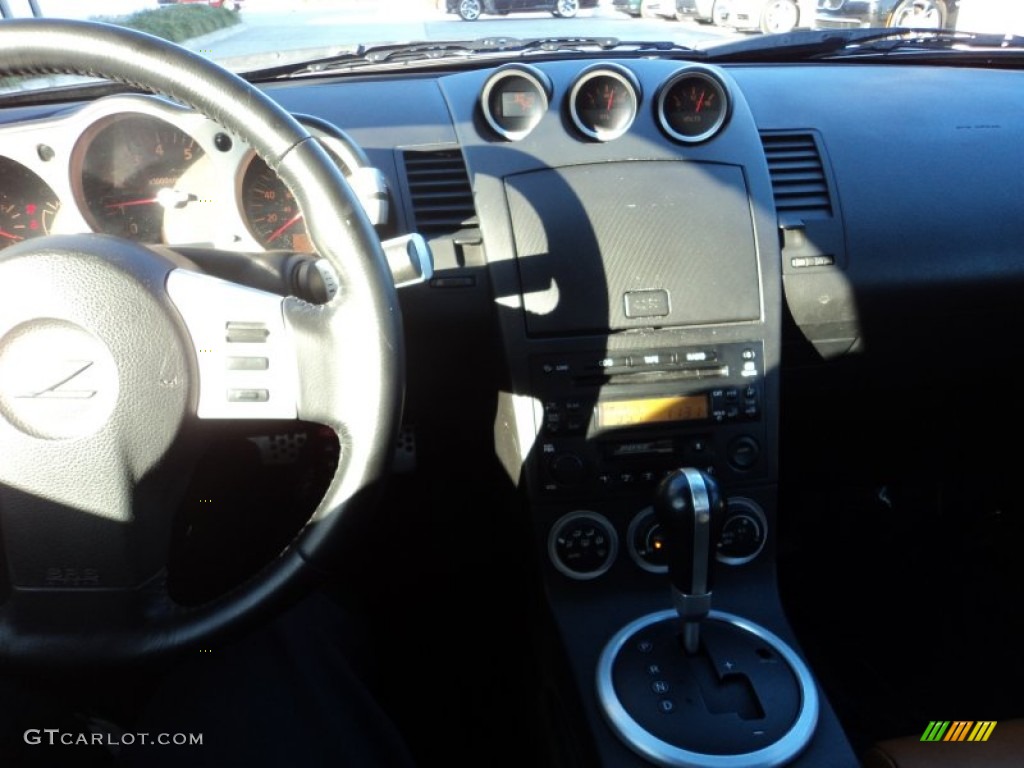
[(743, 532), (583, 545)]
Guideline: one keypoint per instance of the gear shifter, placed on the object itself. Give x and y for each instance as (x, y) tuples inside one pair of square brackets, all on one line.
[(690, 509), (735, 694)]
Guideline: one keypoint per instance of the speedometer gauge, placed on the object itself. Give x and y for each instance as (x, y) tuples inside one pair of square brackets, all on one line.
[(271, 211), (130, 173), (603, 102), (692, 106), (27, 204)]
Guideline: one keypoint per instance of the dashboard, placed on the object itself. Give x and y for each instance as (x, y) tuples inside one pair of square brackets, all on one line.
[(639, 263)]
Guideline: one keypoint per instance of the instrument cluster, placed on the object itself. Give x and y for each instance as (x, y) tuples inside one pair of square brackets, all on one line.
[(147, 169)]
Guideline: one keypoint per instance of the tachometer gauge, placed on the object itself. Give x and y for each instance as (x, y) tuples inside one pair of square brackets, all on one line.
[(130, 172), (603, 102), (514, 100), (692, 106), (27, 204)]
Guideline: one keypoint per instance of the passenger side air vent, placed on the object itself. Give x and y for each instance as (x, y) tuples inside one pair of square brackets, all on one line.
[(799, 183), (813, 244), (439, 191)]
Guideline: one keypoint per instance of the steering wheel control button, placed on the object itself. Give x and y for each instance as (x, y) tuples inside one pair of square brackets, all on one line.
[(583, 545), (248, 395), (248, 363), (246, 333), (226, 321), (57, 380)]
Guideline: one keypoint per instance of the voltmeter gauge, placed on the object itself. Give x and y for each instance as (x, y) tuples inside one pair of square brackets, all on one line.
[(514, 100), (603, 102), (692, 106)]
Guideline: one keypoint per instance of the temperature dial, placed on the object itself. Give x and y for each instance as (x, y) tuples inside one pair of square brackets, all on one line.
[(743, 533), (583, 545), (647, 542)]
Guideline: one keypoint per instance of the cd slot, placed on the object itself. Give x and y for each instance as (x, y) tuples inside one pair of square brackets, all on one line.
[(705, 373)]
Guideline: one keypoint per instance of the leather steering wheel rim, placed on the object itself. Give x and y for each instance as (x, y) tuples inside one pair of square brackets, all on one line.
[(341, 233)]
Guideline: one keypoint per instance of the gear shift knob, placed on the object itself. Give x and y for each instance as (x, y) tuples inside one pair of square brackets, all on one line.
[(690, 508)]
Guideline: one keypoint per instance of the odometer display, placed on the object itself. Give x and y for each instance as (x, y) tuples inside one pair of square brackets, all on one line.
[(603, 103)]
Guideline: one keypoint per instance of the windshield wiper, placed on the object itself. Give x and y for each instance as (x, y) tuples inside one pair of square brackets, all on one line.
[(809, 45), (916, 41), (427, 52), (559, 44)]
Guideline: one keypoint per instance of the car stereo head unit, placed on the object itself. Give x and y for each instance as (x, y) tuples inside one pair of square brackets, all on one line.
[(619, 422)]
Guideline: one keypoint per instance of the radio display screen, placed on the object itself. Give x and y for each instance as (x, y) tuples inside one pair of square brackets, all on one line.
[(652, 410)]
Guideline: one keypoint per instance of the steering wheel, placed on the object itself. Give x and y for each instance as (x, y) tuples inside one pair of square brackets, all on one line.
[(111, 353)]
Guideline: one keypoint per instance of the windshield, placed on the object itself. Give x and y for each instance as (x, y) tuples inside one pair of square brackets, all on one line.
[(273, 35)]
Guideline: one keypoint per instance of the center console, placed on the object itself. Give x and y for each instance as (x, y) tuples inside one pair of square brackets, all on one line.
[(638, 287)]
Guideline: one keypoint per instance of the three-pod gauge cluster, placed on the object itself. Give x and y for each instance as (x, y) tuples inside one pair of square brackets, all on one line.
[(690, 106)]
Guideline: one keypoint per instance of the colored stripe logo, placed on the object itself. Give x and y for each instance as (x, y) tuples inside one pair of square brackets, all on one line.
[(958, 730)]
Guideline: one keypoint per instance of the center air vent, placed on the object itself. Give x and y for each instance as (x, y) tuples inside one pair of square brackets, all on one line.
[(440, 191), (799, 183)]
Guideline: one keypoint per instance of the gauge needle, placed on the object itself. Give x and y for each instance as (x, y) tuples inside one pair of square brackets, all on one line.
[(128, 203), (281, 230), (700, 101), (611, 98), (9, 236), (168, 198)]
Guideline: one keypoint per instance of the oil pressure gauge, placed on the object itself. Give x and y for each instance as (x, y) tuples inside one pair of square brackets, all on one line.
[(692, 106), (603, 102)]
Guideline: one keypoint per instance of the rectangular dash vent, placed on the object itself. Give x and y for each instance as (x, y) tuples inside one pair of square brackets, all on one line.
[(799, 183), (440, 191)]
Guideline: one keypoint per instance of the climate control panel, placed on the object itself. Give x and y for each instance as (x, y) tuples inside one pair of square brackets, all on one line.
[(584, 544)]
